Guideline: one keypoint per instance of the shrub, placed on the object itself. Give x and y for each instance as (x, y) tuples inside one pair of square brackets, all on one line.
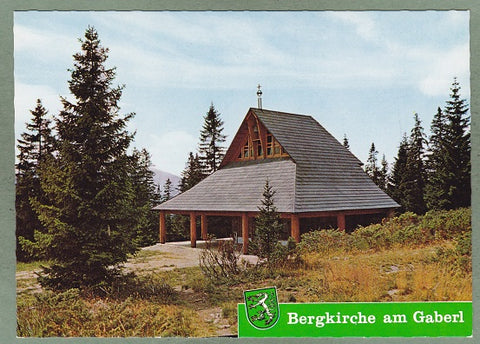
[(326, 241), (449, 224), (406, 229), (371, 237), (221, 264), (284, 256)]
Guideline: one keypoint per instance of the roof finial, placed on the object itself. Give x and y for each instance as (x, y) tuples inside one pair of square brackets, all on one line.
[(259, 95)]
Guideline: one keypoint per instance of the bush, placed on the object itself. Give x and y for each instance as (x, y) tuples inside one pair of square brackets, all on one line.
[(326, 241), (284, 256), (458, 258), (406, 229), (221, 264)]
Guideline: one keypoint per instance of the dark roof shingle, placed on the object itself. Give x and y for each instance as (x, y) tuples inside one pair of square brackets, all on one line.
[(323, 176), (239, 188)]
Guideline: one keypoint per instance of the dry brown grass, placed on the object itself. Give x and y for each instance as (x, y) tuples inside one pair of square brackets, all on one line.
[(398, 274)]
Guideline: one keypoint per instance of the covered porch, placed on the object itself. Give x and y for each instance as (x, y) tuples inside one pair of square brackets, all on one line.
[(247, 217)]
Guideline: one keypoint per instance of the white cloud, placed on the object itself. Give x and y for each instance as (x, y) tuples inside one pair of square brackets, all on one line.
[(43, 44), (443, 68)]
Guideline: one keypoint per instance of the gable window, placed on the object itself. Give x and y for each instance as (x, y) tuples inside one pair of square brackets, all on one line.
[(246, 150), (257, 144), (258, 147), (269, 144)]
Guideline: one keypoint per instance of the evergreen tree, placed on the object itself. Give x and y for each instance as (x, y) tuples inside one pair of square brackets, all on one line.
[(457, 149), (396, 187), (167, 190), (267, 225), (34, 147), (192, 174), (371, 167), (345, 141), (436, 190), (449, 183), (383, 174), (414, 175), (178, 226), (211, 138), (146, 196), (90, 213)]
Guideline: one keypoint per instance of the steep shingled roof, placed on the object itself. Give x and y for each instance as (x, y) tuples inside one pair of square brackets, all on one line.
[(322, 175)]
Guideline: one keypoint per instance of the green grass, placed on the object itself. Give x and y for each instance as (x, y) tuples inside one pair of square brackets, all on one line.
[(32, 266), (334, 267)]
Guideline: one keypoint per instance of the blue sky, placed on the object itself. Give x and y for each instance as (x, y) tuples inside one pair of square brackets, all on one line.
[(363, 74)]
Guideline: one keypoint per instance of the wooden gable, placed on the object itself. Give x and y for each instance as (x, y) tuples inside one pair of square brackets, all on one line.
[(253, 141)]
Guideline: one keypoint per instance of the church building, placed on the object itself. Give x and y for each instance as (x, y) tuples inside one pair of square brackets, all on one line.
[(318, 182)]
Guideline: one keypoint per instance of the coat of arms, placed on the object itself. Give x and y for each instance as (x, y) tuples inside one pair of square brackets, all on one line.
[(262, 307)]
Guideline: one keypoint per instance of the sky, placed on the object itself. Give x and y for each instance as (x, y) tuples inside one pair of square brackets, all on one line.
[(359, 74)]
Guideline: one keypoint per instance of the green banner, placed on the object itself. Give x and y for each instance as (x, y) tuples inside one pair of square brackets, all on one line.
[(388, 319)]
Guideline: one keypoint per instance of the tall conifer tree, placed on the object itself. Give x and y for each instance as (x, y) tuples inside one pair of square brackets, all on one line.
[(211, 137), (414, 174), (167, 190), (457, 148), (371, 167), (34, 148), (449, 164), (146, 196), (436, 190), (383, 174), (192, 174), (89, 214), (396, 188)]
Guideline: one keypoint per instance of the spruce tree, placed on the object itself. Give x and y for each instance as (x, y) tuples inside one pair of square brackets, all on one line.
[(414, 174), (371, 168), (90, 215), (449, 164), (145, 198), (267, 225), (211, 138), (167, 190), (436, 190), (383, 174), (34, 148), (192, 174), (396, 187), (457, 149)]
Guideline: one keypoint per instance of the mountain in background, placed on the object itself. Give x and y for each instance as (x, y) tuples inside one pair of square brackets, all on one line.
[(160, 177)]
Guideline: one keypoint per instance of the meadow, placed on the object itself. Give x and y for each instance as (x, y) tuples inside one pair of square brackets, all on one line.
[(406, 258)]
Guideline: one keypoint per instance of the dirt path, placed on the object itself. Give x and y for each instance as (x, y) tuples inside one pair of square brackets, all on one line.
[(165, 257), (171, 255)]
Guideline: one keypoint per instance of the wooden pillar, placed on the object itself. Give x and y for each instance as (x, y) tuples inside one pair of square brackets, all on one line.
[(245, 232), (390, 213), (193, 230), (341, 221), (163, 230), (295, 227), (203, 226)]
